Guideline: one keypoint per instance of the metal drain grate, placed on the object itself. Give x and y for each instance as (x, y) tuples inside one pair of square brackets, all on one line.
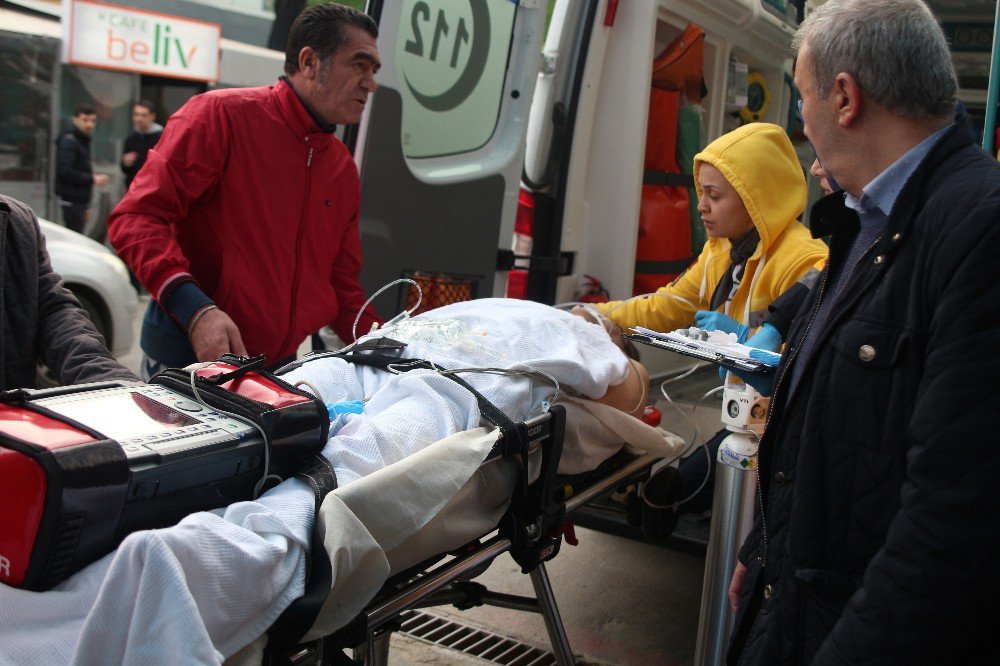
[(472, 640)]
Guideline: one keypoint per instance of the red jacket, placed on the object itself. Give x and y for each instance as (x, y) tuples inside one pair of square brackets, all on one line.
[(247, 196)]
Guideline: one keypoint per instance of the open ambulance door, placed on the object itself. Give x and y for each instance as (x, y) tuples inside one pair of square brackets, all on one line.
[(440, 148), (587, 131)]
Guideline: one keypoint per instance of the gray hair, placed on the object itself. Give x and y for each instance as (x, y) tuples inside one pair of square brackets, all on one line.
[(895, 49)]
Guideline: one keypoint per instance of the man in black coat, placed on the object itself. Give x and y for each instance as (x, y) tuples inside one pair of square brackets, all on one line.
[(75, 177), (877, 537), (41, 319), (144, 136)]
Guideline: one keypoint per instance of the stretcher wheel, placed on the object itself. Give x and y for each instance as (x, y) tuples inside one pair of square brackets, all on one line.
[(662, 489)]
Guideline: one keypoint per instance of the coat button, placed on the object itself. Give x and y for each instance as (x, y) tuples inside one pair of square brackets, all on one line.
[(768, 591), (897, 237), (866, 353), (880, 259), (779, 479)]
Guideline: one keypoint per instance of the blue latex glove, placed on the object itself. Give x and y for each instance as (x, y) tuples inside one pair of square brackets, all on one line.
[(767, 337), (766, 341), (762, 381), (347, 407), (768, 358), (707, 320)]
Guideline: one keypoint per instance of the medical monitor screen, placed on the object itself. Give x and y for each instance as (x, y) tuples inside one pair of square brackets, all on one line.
[(122, 415)]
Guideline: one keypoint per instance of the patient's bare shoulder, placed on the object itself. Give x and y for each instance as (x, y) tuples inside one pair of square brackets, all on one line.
[(630, 394)]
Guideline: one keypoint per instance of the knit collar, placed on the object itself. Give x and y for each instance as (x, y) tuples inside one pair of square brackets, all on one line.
[(327, 128)]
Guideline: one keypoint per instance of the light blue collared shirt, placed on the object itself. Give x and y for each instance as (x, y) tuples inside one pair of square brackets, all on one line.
[(878, 197)]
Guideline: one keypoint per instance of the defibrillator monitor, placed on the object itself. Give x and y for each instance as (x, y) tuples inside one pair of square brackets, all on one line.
[(83, 466), (152, 423), (123, 414)]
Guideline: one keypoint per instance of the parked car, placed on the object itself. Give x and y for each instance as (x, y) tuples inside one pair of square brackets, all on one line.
[(100, 281)]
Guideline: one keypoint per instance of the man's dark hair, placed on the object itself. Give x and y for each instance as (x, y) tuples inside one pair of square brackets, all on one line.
[(146, 104), (324, 28), (83, 110)]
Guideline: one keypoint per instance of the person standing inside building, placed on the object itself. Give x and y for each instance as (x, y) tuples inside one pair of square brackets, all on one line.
[(145, 134), (75, 177), (876, 539), (257, 245)]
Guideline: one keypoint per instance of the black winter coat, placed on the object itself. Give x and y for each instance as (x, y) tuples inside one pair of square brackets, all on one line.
[(41, 318), (879, 541), (140, 143), (74, 168)]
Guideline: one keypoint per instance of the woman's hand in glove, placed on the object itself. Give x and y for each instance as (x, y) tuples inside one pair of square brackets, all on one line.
[(707, 320)]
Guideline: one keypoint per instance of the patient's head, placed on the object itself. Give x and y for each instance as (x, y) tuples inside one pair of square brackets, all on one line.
[(630, 395), (614, 331)]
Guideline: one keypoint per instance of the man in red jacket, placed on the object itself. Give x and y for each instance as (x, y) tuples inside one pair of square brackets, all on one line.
[(243, 223)]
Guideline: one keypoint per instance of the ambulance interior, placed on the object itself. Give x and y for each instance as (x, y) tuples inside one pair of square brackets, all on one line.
[(587, 181)]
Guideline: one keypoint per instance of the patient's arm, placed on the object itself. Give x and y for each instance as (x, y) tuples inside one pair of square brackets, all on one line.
[(630, 394)]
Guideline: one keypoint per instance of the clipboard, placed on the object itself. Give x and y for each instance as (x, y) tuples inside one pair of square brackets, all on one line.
[(734, 359)]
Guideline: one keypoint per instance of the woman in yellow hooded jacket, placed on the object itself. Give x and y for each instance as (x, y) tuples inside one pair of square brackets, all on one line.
[(751, 190)]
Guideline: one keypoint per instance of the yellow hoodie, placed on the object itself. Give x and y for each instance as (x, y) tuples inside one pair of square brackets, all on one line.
[(759, 162)]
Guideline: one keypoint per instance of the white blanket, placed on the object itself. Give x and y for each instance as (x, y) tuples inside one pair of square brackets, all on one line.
[(202, 590)]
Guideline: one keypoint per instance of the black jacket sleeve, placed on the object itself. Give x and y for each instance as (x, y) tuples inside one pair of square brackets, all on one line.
[(68, 342), (783, 309)]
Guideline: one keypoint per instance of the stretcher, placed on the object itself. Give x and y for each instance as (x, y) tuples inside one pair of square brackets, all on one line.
[(450, 582), (222, 585)]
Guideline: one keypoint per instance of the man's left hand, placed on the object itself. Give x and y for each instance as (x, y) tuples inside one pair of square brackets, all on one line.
[(214, 334)]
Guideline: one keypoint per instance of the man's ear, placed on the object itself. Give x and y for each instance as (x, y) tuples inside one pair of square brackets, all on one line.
[(309, 63), (847, 98)]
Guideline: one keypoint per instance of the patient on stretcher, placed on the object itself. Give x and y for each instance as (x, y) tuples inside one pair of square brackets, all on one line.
[(544, 354), (210, 586)]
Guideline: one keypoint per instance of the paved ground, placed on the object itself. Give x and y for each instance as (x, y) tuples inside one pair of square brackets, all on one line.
[(622, 601)]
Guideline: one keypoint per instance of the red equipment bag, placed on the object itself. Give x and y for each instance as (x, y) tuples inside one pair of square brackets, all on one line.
[(680, 65), (72, 491), (664, 245)]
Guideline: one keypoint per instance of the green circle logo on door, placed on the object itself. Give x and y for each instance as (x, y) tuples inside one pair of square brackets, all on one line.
[(439, 40)]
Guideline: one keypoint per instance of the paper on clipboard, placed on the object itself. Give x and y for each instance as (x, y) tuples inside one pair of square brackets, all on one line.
[(716, 347)]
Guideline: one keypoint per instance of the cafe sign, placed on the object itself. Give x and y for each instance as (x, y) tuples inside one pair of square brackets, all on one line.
[(97, 34)]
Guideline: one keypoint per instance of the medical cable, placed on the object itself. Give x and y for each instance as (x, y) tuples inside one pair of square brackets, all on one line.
[(354, 327), (693, 422), (708, 456), (267, 442), (309, 385), (590, 306), (402, 315)]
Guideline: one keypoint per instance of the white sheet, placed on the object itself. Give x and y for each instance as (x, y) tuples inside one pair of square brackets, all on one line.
[(202, 590)]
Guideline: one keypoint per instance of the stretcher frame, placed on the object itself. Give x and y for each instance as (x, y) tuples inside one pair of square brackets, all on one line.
[(534, 536)]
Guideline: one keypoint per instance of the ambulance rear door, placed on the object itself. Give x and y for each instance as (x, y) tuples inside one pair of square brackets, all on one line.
[(441, 145)]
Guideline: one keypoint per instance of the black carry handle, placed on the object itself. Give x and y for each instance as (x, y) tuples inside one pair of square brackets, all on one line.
[(243, 366)]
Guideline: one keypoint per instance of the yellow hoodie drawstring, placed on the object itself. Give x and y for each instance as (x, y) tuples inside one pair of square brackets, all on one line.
[(704, 277)]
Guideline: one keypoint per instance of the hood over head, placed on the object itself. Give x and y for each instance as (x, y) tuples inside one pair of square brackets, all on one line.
[(759, 162)]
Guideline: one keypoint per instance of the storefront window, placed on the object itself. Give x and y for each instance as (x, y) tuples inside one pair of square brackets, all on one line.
[(27, 66)]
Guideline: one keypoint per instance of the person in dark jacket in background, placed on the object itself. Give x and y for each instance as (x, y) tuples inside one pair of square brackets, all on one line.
[(42, 320), (876, 539), (75, 177), (144, 135)]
